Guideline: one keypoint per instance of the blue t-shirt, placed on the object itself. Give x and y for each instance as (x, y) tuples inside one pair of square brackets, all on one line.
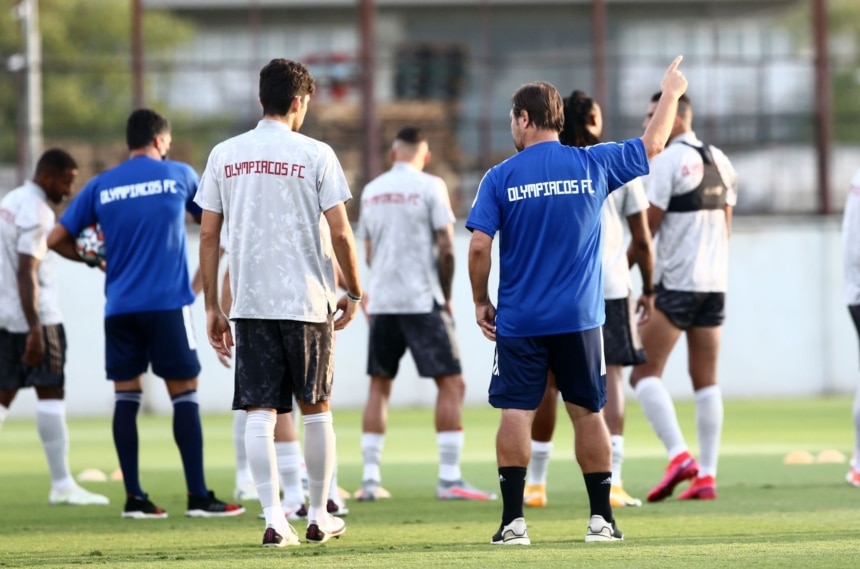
[(141, 207), (545, 203)]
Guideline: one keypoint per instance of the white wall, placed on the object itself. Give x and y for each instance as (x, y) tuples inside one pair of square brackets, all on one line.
[(788, 332)]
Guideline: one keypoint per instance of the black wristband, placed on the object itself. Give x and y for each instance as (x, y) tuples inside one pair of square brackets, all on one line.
[(648, 291)]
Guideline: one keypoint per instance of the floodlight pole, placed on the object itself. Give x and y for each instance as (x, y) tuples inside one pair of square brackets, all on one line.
[(598, 50), (823, 105), (28, 12), (370, 150), (137, 53)]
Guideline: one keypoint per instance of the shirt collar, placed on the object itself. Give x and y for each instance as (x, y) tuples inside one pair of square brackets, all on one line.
[(36, 189)]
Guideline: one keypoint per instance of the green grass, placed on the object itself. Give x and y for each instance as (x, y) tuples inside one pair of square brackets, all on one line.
[(767, 515)]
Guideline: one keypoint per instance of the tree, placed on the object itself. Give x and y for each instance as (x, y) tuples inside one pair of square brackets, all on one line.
[(86, 66)]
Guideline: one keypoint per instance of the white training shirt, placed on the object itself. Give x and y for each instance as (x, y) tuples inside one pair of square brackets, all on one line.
[(25, 222), (851, 242), (692, 248), (272, 186), (627, 200), (401, 210)]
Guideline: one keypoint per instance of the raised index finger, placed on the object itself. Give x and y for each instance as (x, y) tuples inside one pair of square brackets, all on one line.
[(675, 63)]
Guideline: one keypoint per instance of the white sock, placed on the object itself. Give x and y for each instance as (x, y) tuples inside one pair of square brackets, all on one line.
[(450, 447), (371, 449), (617, 458), (539, 463), (660, 411), (243, 471), (260, 446), (319, 458), (709, 425), (333, 491), (856, 429), (51, 424), (289, 457), (4, 412)]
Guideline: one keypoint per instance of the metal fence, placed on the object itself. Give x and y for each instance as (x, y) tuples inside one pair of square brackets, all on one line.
[(753, 102)]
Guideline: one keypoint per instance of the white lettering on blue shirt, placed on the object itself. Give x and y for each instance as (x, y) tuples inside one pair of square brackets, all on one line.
[(552, 188)]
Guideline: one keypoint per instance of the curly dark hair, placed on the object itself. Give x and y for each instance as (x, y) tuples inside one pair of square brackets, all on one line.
[(281, 80), (577, 110)]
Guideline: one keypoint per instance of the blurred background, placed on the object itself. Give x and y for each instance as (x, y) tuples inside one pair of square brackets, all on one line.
[(774, 83)]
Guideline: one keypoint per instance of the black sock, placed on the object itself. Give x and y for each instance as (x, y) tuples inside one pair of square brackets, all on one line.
[(512, 481), (598, 485)]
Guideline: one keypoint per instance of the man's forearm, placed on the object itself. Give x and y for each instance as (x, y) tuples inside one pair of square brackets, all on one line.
[(209, 257), (446, 274), (479, 274), (344, 251), (28, 292)]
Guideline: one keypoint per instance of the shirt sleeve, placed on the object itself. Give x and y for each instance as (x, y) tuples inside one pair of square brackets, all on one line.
[(440, 205), (636, 199), (658, 185), (486, 214), (208, 194), (32, 228), (192, 182), (730, 177), (82, 209), (622, 161), (331, 183)]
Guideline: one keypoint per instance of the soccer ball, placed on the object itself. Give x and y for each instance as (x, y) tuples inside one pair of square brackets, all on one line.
[(90, 245)]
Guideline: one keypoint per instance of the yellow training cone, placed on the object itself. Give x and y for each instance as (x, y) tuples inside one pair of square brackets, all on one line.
[(832, 456), (798, 457), (92, 475), (116, 475)]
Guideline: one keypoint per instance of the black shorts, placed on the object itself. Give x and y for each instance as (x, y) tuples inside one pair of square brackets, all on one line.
[(278, 358), (621, 343), (429, 337), (686, 309), (854, 310), (14, 374)]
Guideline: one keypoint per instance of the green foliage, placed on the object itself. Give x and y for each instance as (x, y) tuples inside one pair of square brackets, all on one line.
[(767, 515), (87, 78), (843, 21)]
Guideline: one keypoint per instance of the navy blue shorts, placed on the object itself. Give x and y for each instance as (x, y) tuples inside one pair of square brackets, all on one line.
[(521, 365), (15, 374), (163, 338), (429, 337)]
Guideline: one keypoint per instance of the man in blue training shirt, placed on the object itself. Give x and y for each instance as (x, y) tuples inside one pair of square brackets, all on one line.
[(141, 206), (545, 203)]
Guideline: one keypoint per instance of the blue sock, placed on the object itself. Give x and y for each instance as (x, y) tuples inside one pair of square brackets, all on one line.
[(125, 410), (188, 434)]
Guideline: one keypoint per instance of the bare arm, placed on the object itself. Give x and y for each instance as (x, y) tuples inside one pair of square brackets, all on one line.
[(28, 292), (210, 255), (480, 261), (674, 85), (729, 220), (445, 262), (641, 251), (343, 243), (655, 218), (217, 327), (368, 251), (61, 241)]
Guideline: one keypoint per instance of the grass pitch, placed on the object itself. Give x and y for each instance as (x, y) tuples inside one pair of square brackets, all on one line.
[(767, 515)]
